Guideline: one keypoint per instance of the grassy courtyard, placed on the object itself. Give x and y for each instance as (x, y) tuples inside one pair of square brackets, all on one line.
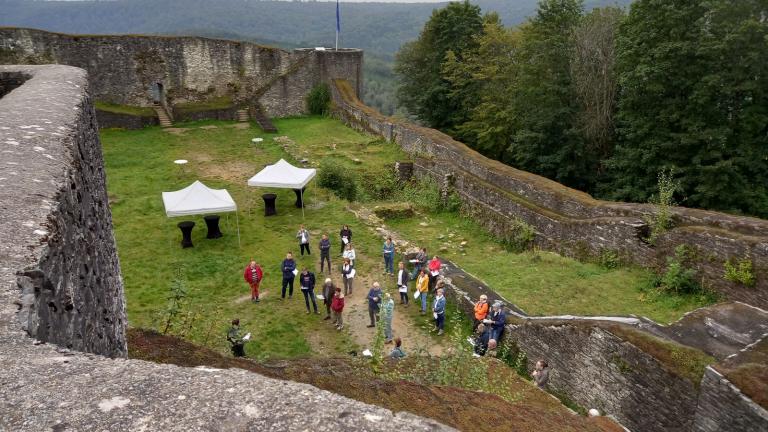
[(140, 166)]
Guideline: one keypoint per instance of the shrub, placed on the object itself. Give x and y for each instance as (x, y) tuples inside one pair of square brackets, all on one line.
[(741, 272), (341, 181), (679, 278), (379, 184), (519, 236), (319, 100), (609, 259), (661, 221)]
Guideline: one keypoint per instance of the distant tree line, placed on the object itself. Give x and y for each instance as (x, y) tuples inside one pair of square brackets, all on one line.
[(604, 101)]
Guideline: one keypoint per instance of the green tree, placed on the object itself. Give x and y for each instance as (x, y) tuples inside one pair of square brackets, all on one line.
[(423, 91), (694, 98)]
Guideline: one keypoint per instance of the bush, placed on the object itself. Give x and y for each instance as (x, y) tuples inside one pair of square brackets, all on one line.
[(609, 259), (741, 272), (379, 184), (679, 278), (341, 181), (519, 236), (661, 221), (319, 100)]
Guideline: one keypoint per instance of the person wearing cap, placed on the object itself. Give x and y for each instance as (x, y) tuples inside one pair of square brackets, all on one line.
[(481, 309), (497, 320)]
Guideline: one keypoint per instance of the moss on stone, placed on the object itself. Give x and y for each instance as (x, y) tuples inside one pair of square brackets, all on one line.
[(216, 103), (125, 109)]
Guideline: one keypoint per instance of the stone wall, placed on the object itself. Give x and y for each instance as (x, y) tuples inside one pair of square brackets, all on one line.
[(60, 280), (723, 408), (126, 69), (107, 119), (568, 221)]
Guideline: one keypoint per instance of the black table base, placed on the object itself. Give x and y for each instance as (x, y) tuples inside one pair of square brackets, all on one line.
[(186, 233), (299, 197), (212, 222), (269, 204)]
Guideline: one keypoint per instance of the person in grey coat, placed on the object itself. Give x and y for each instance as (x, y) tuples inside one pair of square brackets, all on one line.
[(541, 374)]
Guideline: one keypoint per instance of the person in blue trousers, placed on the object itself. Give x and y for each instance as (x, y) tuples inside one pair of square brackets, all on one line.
[(439, 310), (307, 283), (497, 320), (389, 256), (288, 266)]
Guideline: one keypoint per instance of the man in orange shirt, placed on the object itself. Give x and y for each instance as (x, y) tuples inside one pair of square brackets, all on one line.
[(481, 309)]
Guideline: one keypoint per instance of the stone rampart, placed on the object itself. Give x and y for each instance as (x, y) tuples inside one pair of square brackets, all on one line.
[(60, 280), (722, 407), (141, 70), (568, 221)]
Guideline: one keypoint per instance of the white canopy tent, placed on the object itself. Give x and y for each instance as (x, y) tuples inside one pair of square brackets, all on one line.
[(281, 174), (198, 198)]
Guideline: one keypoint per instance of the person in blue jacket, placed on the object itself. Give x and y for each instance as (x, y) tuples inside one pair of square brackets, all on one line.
[(439, 309), (288, 266), (389, 256), (307, 284), (374, 303), (497, 319)]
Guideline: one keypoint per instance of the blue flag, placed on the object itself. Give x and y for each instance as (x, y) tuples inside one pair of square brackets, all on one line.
[(338, 18)]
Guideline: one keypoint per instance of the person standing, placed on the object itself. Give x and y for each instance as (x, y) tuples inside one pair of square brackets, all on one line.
[(397, 352), (434, 272), (481, 309), (303, 236), (402, 283), (288, 269), (347, 276), (253, 275), (337, 306), (307, 282), (328, 291), (541, 374), (439, 310), (421, 262), (387, 311), (349, 253), (389, 256), (497, 319), (374, 303), (422, 284), (346, 237), (236, 341), (325, 252)]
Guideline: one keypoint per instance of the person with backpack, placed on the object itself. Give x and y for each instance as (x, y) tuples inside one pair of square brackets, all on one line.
[(307, 284), (253, 275)]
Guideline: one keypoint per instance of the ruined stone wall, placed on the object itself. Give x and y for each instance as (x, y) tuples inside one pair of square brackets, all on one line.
[(722, 407), (125, 69), (568, 221)]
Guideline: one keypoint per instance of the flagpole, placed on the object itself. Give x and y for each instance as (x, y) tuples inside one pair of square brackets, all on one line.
[(338, 24)]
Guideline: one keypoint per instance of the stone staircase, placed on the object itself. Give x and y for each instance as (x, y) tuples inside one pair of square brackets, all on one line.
[(163, 117), (242, 115), (263, 121)]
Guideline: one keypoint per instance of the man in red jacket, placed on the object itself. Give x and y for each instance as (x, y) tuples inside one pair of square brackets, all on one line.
[(253, 275)]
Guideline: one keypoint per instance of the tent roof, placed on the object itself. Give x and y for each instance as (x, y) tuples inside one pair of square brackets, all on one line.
[(197, 198), (282, 175)]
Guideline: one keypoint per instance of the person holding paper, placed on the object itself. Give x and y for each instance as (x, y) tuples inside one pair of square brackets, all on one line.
[(389, 256), (497, 320), (348, 276), (329, 289), (236, 341), (303, 236), (350, 253), (421, 262), (438, 308), (253, 275), (325, 252), (481, 309), (434, 271), (337, 306), (422, 286), (374, 303), (387, 311), (289, 273), (402, 283), (346, 237), (307, 282)]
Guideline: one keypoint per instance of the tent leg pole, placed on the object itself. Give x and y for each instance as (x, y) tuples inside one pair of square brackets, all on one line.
[(301, 192), (237, 220)]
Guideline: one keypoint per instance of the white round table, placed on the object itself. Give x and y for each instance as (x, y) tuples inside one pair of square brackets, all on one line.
[(257, 140)]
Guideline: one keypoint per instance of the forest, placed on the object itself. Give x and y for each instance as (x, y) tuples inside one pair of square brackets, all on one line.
[(615, 102)]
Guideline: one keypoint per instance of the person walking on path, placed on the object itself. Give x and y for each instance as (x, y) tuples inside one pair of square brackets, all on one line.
[(236, 341), (337, 306), (289, 273), (325, 252), (541, 374), (328, 291), (481, 309), (253, 275), (389, 256), (402, 283), (307, 281), (422, 284), (434, 272), (303, 236), (421, 262), (349, 253), (497, 319), (347, 276), (387, 311), (397, 352), (346, 237), (374, 303), (438, 308)]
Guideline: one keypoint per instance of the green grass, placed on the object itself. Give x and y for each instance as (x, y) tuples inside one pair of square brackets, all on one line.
[(221, 102), (125, 109), (544, 283)]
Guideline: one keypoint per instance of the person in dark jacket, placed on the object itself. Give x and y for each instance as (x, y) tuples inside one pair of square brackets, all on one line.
[(307, 282), (236, 341), (497, 319), (346, 237), (288, 267), (374, 303), (388, 250), (402, 283), (325, 252), (482, 336), (421, 262), (329, 289)]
